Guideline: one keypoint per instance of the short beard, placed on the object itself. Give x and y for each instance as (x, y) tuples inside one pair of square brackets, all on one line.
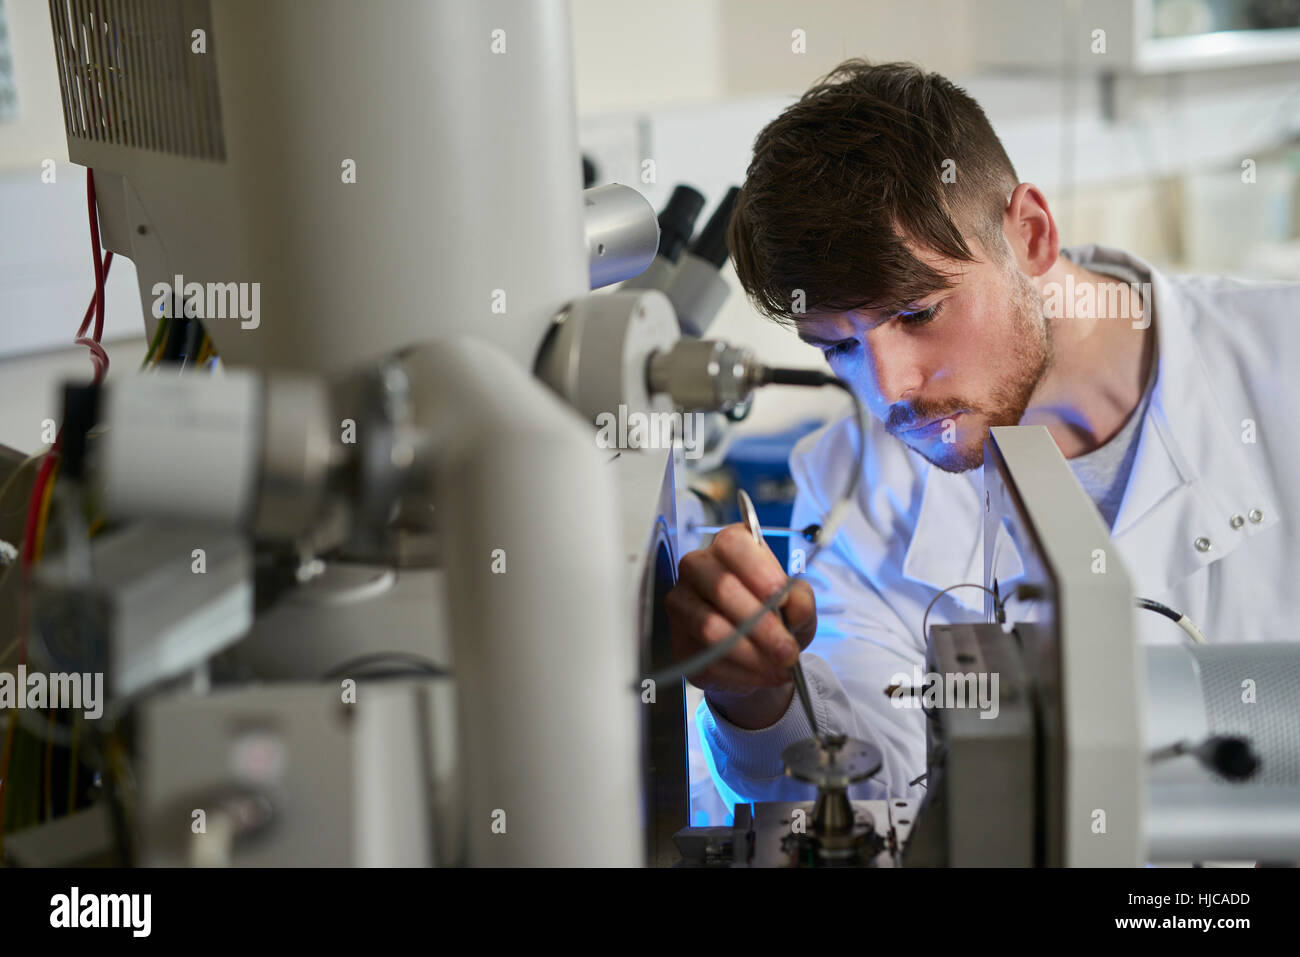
[(1032, 351)]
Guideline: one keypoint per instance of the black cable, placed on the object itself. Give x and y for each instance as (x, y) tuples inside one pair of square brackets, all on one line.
[(1158, 608), (193, 341), (174, 339), (1178, 618), (810, 377)]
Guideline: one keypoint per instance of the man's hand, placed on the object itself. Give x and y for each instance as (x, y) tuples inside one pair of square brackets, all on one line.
[(718, 588)]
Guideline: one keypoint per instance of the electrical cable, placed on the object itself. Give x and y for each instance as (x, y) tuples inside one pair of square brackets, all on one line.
[(100, 272), (158, 335), (698, 662), (39, 490), (56, 733), (43, 516), (925, 619), (98, 355), (189, 345), (90, 309), (34, 504), (42, 488), (1177, 617)]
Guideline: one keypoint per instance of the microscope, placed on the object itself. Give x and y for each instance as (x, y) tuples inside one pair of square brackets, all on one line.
[(382, 591), (378, 591)]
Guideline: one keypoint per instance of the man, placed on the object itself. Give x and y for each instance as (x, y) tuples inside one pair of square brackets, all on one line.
[(882, 219)]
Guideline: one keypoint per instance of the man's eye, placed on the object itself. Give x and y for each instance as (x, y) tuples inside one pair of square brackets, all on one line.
[(918, 318), (841, 348)]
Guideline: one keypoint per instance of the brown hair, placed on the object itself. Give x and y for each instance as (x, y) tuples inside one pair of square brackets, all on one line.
[(844, 177)]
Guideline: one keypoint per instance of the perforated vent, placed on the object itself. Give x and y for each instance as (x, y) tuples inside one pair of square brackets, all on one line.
[(1272, 720), (130, 76)]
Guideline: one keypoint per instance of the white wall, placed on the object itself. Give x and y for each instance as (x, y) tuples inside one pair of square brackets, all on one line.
[(37, 131), (689, 83), (636, 55)]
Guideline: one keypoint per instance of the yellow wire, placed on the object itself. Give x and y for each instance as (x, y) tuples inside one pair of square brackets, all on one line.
[(154, 343), (44, 514)]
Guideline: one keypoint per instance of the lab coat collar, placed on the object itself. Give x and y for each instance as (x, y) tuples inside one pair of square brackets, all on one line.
[(1190, 474)]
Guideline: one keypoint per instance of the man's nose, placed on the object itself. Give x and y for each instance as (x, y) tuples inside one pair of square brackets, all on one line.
[(896, 371)]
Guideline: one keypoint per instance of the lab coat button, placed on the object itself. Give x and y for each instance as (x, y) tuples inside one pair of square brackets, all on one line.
[(1202, 544), (1256, 516), (1236, 521)]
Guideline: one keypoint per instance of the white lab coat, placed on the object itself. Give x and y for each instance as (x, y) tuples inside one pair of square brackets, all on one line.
[(1228, 352)]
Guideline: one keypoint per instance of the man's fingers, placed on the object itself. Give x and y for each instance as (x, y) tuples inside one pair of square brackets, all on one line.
[(727, 591), (800, 610), (755, 564), (699, 625), (763, 575)]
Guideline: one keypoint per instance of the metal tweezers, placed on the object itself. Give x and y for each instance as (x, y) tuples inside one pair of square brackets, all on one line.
[(750, 517)]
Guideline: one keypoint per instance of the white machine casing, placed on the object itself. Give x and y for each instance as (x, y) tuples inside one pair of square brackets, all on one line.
[(234, 165)]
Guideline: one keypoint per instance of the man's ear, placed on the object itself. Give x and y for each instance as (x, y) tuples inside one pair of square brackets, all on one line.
[(1031, 230)]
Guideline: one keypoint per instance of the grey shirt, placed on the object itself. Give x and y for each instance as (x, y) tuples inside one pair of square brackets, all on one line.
[(1104, 471)]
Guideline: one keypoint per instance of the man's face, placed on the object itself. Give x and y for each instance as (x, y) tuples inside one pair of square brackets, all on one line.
[(949, 368)]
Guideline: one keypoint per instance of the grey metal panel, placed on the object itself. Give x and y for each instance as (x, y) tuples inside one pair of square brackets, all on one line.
[(1080, 647), (980, 808)]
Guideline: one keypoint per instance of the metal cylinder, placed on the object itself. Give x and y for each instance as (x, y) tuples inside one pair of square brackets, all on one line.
[(528, 518), (704, 374), (622, 233)]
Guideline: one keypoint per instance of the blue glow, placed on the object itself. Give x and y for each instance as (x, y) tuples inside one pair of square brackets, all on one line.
[(729, 797)]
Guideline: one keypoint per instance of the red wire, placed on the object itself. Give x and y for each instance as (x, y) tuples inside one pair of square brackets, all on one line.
[(94, 250), (90, 309), (98, 355), (34, 506)]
